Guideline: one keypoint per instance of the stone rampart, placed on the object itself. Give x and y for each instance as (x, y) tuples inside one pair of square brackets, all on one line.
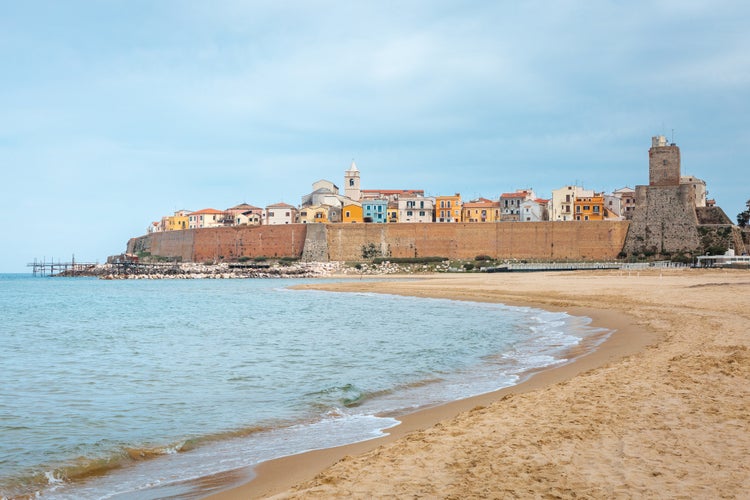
[(664, 221), (589, 240), (223, 243)]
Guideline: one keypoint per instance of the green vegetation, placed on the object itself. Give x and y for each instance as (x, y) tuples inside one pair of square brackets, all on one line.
[(743, 218), (409, 260), (370, 251)]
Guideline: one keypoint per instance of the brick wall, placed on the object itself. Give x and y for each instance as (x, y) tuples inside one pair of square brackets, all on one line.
[(224, 243), (591, 240)]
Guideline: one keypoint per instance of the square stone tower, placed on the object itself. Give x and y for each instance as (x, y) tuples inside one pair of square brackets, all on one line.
[(663, 163), (664, 220)]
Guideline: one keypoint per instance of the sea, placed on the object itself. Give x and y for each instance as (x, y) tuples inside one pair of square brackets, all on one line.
[(137, 388)]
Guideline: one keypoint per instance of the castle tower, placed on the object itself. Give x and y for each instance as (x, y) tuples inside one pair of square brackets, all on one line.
[(351, 183), (664, 221), (663, 163)]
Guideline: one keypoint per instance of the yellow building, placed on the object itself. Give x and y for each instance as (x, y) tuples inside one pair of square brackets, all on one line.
[(589, 208), (352, 213), (178, 221), (448, 208), (481, 210), (392, 212), (314, 214)]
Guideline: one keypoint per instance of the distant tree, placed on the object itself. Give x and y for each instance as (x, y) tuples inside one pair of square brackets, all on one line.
[(743, 218)]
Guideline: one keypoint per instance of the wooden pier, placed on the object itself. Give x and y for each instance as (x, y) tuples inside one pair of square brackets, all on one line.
[(52, 268)]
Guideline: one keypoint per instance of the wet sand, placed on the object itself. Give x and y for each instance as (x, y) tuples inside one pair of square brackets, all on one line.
[(662, 409)]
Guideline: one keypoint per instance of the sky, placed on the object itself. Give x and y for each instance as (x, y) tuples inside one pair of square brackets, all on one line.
[(116, 113)]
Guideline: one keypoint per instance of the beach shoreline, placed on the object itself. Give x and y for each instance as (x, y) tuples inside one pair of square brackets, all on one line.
[(294, 475)]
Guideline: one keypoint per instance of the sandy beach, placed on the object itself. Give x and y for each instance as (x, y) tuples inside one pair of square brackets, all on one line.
[(661, 410)]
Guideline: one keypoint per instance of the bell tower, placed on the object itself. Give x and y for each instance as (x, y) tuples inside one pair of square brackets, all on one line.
[(351, 183)]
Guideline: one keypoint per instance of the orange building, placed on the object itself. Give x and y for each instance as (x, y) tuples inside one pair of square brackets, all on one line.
[(589, 207), (351, 213), (448, 208)]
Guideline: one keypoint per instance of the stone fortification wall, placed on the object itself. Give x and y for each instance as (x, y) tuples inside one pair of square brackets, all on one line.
[(172, 244), (223, 243), (664, 221), (316, 244), (590, 240)]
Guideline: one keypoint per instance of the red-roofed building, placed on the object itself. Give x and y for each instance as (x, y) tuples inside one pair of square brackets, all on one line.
[(535, 210), (480, 210), (510, 204), (389, 194), (208, 217)]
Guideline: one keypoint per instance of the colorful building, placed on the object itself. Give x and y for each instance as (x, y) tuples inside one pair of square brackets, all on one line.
[(563, 202), (392, 212), (177, 222), (448, 208), (314, 214), (480, 210), (208, 217), (589, 207), (375, 210), (351, 212)]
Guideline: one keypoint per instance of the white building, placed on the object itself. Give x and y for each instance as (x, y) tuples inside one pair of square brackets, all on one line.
[(281, 213), (534, 210), (208, 217), (563, 200), (416, 209)]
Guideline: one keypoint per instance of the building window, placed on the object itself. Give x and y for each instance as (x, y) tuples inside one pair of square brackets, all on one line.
[(351, 182), (408, 214), (421, 214), (596, 209)]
